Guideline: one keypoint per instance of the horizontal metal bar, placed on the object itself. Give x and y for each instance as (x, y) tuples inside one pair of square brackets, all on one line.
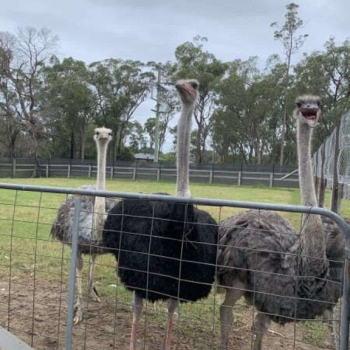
[(201, 201)]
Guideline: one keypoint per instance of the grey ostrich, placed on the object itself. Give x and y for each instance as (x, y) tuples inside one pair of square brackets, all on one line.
[(165, 250), (284, 275), (91, 222)]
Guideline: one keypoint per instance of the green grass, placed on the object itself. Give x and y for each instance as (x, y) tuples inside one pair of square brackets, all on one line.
[(26, 248), (315, 332)]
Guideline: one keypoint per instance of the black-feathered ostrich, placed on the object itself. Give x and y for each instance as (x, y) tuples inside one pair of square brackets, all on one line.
[(91, 222), (165, 250), (284, 275)]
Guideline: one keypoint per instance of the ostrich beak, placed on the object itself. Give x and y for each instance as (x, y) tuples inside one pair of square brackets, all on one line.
[(185, 87), (310, 115)]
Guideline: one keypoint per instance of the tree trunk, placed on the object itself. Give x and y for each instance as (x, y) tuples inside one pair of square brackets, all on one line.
[(120, 139), (72, 145), (82, 146), (283, 134), (285, 95)]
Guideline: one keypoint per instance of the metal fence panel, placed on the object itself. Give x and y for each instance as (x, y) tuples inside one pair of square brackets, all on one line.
[(38, 289), (343, 160)]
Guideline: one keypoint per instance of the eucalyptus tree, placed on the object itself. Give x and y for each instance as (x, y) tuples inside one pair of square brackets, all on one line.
[(23, 56), (288, 35), (69, 104), (120, 86), (193, 61)]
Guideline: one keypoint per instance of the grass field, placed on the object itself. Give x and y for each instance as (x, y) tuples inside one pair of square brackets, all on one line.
[(27, 250)]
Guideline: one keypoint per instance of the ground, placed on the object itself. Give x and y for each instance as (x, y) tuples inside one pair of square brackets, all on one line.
[(38, 316)]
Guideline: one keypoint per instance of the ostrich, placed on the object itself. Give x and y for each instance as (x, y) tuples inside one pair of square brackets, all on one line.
[(165, 250), (284, 275), (91, 222)]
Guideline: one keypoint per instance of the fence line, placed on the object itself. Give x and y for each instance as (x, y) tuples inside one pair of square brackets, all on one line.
[(327, 156), (239, 174)]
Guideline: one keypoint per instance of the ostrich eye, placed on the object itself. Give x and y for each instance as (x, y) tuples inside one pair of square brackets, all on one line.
[(194, 85), (97, 133), (298, 104), (110, 134)]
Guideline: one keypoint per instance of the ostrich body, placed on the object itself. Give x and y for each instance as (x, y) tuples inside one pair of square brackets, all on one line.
[(284, 275), (165, 250), (91, 222)]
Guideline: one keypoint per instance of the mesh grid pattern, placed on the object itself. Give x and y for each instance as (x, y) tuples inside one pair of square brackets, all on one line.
[(34, 283), (343, 161)]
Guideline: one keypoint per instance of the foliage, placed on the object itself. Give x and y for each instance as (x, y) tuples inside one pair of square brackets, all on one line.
[(287, 35), (49, 106)]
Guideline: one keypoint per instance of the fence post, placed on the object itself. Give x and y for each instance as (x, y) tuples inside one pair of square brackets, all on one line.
[(239, 183), (73, 263), (90, 169), (68, 171), (271, 179), (344, 322), (48, 166), (13, 167), (112, 172), (47, 170)]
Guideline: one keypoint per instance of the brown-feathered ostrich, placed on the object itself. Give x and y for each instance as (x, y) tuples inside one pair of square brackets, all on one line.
[(165, 250), (284, 275), (91, 222)]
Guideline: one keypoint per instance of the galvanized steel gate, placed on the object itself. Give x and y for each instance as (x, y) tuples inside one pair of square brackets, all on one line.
[(40, 190)]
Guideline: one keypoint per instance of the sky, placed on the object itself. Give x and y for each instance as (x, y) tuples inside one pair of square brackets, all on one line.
[(150, 30)]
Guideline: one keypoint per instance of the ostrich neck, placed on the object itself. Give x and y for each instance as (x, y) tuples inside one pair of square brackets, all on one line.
[(308, 195), (312, 240), (183, 151), (100, 202)]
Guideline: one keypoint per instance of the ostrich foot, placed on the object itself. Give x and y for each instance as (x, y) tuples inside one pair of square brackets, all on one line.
[(78, 312), (94, 295)]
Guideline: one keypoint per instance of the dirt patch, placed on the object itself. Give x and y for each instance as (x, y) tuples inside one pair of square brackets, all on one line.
[(35, 311)]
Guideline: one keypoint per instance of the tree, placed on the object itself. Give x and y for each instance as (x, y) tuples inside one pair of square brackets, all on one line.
[(69, 104), (244, 123), (23, 55), (287, 35), (121, 86), (192, 60)]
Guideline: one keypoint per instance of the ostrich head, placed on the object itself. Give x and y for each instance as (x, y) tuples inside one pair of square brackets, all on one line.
[(308, 109), (103, 135), (188, 90)]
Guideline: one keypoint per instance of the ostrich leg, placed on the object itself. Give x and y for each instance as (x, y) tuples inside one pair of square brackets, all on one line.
[(172, 305), (78, 309), (260, 326), (226, 311), (92, 290), (137, 305)]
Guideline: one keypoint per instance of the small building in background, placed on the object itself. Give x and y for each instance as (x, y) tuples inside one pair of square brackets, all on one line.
[(144, 157)]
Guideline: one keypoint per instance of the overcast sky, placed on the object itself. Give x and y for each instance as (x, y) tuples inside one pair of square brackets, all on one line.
[(150, 30)]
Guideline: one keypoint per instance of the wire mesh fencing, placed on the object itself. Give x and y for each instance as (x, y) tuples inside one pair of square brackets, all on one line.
[(341, 157), (38, 284)]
